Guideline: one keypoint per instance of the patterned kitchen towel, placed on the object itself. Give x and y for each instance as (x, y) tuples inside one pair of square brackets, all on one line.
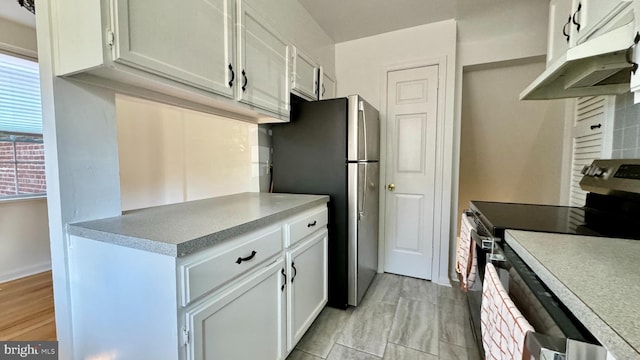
[(466, 258), (503, 327)]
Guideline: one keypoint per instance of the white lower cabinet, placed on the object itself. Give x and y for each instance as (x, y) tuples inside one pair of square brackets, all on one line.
[(245, 298), (307, 287), (245, 322), (265, 312)]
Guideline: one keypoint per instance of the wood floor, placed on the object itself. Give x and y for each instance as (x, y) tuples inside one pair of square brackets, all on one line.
[(26, 309)]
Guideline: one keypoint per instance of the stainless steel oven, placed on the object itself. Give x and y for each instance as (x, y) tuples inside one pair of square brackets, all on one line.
[(612, 203)]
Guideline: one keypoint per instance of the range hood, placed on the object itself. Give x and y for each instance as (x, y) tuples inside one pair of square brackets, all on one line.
[(595, 67)]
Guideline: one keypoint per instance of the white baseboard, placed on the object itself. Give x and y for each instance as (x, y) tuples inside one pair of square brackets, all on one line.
[(444, 281), (25, 271)]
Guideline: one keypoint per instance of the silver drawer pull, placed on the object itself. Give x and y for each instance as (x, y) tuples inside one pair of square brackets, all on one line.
[(241, 259)]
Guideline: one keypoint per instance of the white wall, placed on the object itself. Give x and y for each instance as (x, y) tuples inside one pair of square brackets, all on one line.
[(360, 63), (169, 155), (510, 149), (24, 233), (360, 69), (507, 33), (17, 39), (24, 238), (503, 31)]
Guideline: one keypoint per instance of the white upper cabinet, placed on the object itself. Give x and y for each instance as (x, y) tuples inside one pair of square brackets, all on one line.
[(586, 48), (327, 85), (304, 75), (560, 29), (263, 80), (189, 41), (218, 56), (572, 22), (590, 16), (635, 75)]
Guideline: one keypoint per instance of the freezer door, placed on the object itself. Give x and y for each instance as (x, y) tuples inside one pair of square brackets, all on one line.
[(363, 131), (363, 228)]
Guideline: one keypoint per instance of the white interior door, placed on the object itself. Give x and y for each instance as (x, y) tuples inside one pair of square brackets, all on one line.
[(412, 105)]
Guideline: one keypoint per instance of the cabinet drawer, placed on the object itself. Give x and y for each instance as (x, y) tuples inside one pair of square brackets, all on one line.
[(208, 271), (218, 328), (307, 223)]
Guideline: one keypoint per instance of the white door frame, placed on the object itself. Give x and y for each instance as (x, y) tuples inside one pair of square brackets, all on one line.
[(442, 204)]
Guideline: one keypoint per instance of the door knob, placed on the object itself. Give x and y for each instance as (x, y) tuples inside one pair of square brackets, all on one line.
[(391, 187)]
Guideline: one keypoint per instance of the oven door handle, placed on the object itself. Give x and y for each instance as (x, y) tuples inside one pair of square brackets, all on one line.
[(542, 347), (485, 242)]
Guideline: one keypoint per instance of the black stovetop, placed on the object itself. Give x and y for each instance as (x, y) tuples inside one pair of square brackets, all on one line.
[(499, 216)]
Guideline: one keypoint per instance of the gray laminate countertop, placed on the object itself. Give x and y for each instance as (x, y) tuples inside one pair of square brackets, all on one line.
[(185, 228), (598, 279)]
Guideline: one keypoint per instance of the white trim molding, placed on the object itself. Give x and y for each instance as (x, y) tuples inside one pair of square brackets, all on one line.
[(25, 271)]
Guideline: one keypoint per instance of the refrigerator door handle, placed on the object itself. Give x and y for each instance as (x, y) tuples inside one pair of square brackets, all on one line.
[(364, 192), (364, 128)]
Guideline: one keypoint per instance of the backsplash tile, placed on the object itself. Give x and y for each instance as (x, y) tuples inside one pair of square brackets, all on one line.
[(626, 128)]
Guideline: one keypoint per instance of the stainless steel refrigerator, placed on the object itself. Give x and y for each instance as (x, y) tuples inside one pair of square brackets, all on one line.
[(332, 147)]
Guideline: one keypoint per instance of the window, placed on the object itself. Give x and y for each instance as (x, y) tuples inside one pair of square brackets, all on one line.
[(21, 145)]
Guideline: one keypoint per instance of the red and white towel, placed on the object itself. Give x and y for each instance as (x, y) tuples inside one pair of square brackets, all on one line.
[(466, 259), (503, 327)]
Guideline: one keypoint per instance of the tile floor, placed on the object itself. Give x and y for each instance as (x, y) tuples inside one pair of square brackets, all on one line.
[(400, 318)]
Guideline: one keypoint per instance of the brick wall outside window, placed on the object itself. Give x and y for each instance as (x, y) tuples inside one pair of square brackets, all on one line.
[(22, 167)]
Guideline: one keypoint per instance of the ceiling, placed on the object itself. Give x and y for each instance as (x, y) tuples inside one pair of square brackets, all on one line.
[(345, 20), (10, 9)]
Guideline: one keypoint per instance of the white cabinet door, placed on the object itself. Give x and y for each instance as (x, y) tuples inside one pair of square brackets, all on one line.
[(264, 77), (304, 80), (327, 86), (635, 77), (245, 322), (307, 295), (591, 15), (559, 37), (189, 41)]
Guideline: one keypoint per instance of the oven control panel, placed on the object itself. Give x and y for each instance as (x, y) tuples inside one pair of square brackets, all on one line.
[(627, 171), (610, 176)]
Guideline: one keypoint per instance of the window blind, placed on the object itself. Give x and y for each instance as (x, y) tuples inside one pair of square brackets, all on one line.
[(20, 108)]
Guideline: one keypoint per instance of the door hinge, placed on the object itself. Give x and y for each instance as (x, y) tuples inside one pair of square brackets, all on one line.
[(185, 337), (111, 37)]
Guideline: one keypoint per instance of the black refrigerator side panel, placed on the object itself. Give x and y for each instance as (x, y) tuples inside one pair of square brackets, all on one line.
[(309, 157)]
